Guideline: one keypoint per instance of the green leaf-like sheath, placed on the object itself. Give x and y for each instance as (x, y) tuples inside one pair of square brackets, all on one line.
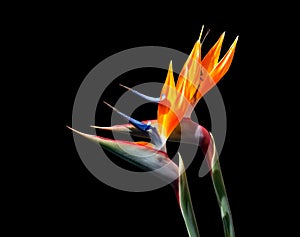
[(185, 202), (221, 194)]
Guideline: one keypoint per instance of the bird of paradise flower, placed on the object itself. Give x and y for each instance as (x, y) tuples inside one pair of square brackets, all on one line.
[(175, 105)]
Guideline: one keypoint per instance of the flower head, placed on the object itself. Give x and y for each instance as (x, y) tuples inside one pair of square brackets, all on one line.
[(177, 100), (196, 78)]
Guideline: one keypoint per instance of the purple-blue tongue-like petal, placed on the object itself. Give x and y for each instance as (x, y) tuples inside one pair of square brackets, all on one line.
[(144, 127), (139, 125)]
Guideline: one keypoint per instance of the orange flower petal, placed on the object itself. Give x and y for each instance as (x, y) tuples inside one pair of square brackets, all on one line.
[(164, 116), (169, 84), (222, 67), (212, 57), (189, 75)]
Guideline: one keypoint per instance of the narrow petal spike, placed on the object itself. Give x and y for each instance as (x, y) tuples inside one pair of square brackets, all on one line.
[(148, 98), (222, 67), (166, 118), (202, 28), (212, 57)]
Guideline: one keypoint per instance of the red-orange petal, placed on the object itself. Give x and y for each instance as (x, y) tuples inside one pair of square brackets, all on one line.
[(222, 67), (212, 57), (189, 74), (165, 117)]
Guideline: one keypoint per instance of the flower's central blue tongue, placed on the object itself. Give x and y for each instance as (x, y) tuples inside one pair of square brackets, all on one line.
[(156, 140), (139, 125)]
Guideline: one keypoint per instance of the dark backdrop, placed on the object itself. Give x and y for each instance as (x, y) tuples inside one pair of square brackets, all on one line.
[(70, 44), (94, 206)]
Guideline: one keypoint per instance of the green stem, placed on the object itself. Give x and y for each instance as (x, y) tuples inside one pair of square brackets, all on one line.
[(221, 194), (185, 202)]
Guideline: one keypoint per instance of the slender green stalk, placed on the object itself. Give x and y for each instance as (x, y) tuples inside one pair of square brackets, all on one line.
[(185, 202), (221, 194)]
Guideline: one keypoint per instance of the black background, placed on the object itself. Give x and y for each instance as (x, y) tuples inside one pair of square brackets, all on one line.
[(66, 198), (155, 213), (96, 207)]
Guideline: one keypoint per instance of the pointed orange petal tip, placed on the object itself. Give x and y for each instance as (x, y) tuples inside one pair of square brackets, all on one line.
[(211, 58), (201, 32), (232, 48), (170, 71), (233, 45), (223, 35), (236, 39), (223, 65), (169, 82)]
